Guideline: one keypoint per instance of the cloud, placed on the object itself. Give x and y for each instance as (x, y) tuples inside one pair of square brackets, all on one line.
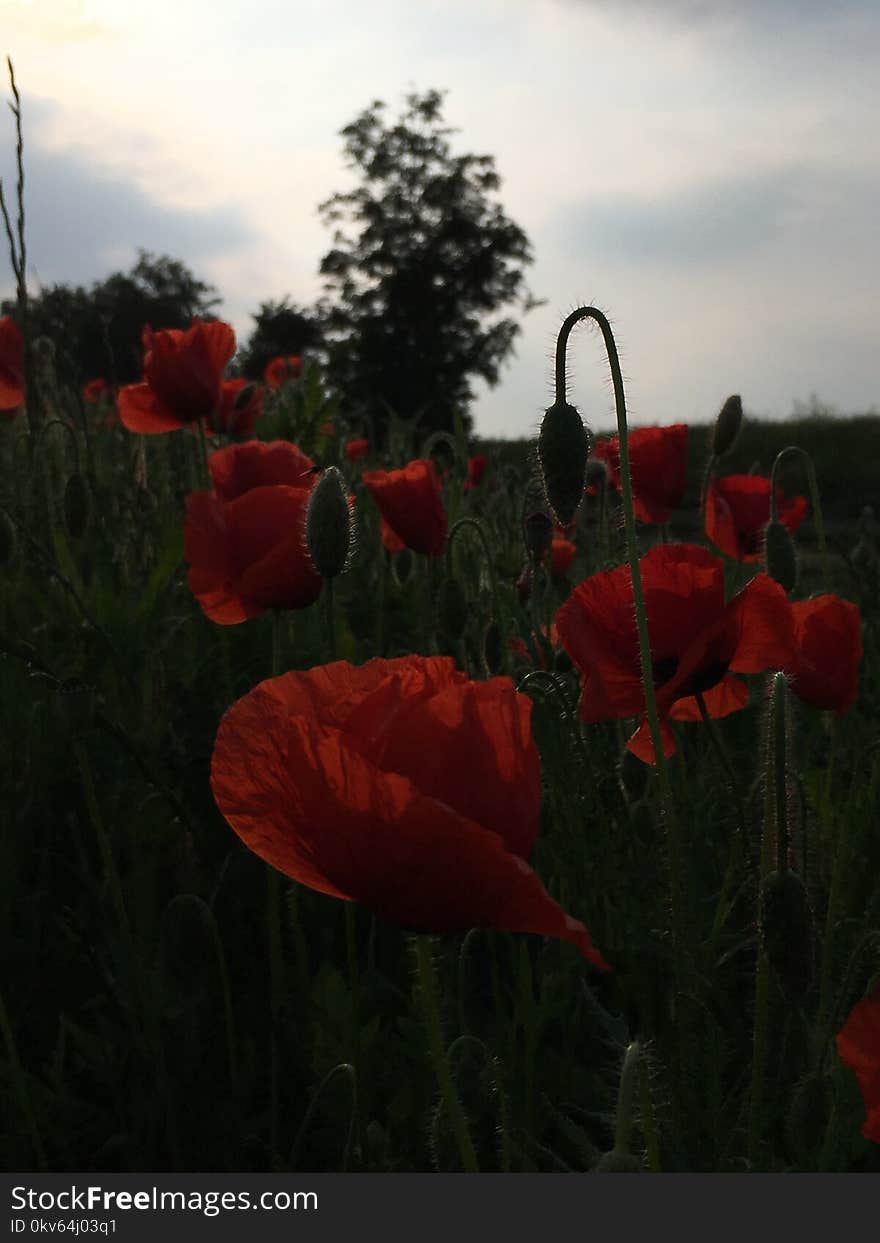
[(84, 220)]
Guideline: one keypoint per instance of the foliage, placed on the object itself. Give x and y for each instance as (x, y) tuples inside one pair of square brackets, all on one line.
[(422, 260), (282, 328)]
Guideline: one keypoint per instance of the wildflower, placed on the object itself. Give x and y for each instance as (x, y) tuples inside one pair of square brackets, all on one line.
[(698, 643), (401, 785), (858, 1047), (410, 502), (824, 668), (11, 367), (280, 370), (241, 404), (658, 459), (476, 471), (562, 553), (738, 510), (245, 542), (183, 374), (357, 449)]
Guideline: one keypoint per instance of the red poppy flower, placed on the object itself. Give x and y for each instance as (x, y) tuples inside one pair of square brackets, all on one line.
[(562, 553), (356, 449), (11, 367), (824, 670), (697, 641), (391, 542), (400, 785), (410, 502), (183, 372), (738, 510), (658, 460), (94, 390), (245, 543), (858, 1047), (476, 471), (236, 422), (280, 370)]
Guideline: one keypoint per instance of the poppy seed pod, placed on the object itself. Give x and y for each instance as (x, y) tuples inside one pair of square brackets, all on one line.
[(452, 608), (328, 524), (76, 506), (538, 536), (785, 919), (727, 425), (780, 557), (563, 449)]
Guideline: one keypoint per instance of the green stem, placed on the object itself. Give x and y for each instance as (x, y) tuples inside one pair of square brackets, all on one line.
[(815, 501), (623, 1122), (427, 980), (331, 618)]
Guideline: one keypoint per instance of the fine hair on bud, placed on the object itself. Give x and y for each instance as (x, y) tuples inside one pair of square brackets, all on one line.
[(563, 450), (328, 524), (780, 556), (727, 425)]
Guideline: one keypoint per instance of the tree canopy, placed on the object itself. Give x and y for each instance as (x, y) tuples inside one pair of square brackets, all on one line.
[(423, 259)]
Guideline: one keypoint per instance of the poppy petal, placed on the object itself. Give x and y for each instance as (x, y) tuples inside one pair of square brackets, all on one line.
[(142, 411)]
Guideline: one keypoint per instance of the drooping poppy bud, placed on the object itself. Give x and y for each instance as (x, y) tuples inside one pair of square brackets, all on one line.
[(328, 524), (727, 425), (780, 557), (76, 505), (563, 449), (785, 919)]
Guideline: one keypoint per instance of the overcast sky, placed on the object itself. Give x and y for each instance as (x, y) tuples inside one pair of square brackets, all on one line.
[(708, 173)]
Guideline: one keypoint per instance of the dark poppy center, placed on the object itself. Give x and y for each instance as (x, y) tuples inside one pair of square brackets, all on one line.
[(664, 669), (707, 677), (750, 542)]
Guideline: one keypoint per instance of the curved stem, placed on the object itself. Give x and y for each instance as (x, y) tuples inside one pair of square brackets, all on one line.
[(815, 501)]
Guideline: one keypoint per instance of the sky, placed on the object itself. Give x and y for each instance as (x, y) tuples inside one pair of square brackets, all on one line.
[(706, 172)]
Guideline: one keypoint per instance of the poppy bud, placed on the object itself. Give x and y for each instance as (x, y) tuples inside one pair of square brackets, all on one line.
[(808, 1115), (403, 566), (76, 505), (785, 920), (538, 534), (7, 538), (563, 449), (727, 425), (452, 608), (328, 524), (615, 1162), (493, 648), (780, 557), (596, 473)]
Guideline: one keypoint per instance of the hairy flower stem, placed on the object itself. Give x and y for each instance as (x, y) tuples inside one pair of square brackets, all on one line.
[(428, 995), (815, 501), (673, 830)]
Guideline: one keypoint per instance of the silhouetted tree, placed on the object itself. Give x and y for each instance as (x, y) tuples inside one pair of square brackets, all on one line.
[(97, 331), (281, 328), (422, 260)]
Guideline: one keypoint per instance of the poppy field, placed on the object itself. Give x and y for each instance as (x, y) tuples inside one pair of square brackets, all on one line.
[(388, 803)]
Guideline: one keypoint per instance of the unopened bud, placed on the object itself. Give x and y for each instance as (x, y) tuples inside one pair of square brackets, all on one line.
[(780, 557), (243, 397), (596, 473), (452, 608), (785, 920), (76, 506), (563, 449), (727, 425), (328, 524)]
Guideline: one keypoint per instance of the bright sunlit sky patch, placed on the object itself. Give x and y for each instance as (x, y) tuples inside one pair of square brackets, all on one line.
[(706, 172)]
